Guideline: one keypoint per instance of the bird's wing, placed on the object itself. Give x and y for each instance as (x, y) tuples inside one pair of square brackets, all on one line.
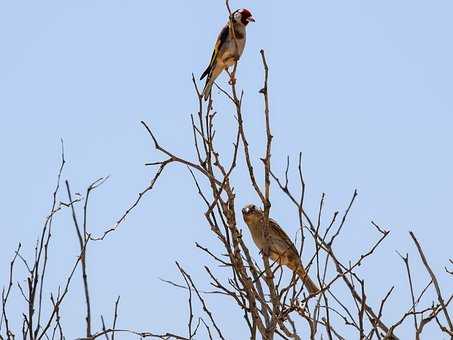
[(283, 243), (223, 35)]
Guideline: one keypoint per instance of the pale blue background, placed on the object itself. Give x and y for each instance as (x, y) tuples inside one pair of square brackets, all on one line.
[(362, 88)]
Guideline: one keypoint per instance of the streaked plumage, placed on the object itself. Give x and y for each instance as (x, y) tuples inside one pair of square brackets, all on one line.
[(282, 250), (228, 47)]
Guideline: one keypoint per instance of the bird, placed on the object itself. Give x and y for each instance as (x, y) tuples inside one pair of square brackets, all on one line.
[(228, 48), (282, 250)]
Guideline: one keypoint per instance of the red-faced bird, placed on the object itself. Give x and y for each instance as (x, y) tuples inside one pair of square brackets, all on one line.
[(228, 47)]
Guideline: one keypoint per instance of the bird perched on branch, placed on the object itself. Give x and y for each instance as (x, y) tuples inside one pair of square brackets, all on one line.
[(228, 47), (282, 250)]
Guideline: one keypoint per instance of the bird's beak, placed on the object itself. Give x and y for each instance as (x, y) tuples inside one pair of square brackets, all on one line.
[(245, 210), (251, 19)]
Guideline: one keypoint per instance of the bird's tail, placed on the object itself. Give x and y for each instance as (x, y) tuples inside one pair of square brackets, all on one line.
[(311, 286), (212, 72), (208, 87)]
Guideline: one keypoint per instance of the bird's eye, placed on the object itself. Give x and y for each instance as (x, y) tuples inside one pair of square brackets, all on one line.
[(248, 209)]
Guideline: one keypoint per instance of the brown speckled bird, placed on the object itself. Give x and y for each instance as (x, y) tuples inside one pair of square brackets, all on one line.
[(282, 250)]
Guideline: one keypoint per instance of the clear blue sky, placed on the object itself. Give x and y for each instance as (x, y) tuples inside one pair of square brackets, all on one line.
[(362, 88)]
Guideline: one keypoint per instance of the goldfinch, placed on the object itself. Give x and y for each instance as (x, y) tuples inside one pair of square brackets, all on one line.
[(282, 250), (228, 47)]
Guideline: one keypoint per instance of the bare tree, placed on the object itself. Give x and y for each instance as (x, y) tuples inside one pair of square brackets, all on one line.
[(273, 301)]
